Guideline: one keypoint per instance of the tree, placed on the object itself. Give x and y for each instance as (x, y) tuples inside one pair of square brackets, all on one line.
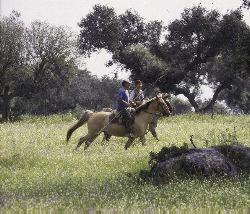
[(192, 42), (12, 59), (39, 71), (181, 106), (52, 57), (246, 4), (233, 66), (180, 63), (104, 29), (100, 29), (80, 91), (238, 97)]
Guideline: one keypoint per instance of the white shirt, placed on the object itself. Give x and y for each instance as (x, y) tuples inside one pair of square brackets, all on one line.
[(136, 96)]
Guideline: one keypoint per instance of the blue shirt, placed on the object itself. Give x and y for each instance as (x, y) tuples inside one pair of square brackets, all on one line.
[(122, 95)]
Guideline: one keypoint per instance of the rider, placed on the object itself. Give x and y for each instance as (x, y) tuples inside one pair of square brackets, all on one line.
[(137, 95), (123, 105)]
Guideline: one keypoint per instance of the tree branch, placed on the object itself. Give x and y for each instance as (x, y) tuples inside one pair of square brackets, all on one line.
[(187, 94), (220, 88)]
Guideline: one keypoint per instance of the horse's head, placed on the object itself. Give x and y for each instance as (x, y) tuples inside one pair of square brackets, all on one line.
[(156, 105), (162, 106)]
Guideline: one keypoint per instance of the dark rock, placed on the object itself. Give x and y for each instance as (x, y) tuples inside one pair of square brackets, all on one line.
[(238, 155), (204, 162)]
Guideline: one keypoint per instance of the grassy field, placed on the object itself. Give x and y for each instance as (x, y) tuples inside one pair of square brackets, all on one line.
[(39, 171)]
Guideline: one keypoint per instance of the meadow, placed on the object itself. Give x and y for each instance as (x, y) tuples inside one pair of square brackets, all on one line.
[(39, 171)]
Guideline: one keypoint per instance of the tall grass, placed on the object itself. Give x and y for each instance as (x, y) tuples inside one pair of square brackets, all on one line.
[(38, 169)]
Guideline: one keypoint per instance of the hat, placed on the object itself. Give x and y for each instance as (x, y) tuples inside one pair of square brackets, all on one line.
[(126, 81)]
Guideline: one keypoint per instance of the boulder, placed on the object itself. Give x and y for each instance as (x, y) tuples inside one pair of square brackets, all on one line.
[(226, 160)]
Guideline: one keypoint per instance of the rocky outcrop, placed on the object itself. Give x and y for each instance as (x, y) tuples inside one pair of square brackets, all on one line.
[(226, 160)]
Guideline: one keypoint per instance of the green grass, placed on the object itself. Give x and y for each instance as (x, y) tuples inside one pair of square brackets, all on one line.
[(39, 170)]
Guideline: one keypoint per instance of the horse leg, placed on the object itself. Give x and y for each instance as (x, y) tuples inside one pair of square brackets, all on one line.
[(106, 137), (152, 127), (81, 141), (143, 140), (89, 141), (153, 132), (129, 142)]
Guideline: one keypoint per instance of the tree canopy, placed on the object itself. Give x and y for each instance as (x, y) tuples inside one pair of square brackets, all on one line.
[(202, 47), (12, 59), (246, 4), (39, 71)]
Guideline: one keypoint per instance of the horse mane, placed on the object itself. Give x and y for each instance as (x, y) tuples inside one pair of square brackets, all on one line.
[(144, 106)]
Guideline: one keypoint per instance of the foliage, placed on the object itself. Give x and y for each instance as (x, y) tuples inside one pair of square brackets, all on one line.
[(238, 63), (12, 48), (103, 28), (40, 74), (12, 58), (77, 96), (246, 4), (103, 23), (180, 106), (167, 152), (35, 62), (81, 91), (182, 62), (52, 58)]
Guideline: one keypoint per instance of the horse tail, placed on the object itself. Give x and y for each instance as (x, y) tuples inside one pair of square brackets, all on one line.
[(84, 118)]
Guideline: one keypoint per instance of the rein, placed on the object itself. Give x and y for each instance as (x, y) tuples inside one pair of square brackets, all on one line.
[(150, 112), (156, 113)]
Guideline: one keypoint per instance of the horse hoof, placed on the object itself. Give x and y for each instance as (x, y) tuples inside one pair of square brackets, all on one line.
[(86, 147)]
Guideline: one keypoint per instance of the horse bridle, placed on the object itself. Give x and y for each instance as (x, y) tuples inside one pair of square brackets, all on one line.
[(159, 104), (163, 107)]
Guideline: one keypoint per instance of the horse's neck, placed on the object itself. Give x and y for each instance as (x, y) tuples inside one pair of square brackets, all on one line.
[(145, 116)]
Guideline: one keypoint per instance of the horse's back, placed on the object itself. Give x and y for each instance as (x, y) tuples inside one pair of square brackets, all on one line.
[(98, 121)]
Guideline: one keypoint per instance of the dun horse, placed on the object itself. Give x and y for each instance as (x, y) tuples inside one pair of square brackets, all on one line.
[(99, 121), (151, 127)]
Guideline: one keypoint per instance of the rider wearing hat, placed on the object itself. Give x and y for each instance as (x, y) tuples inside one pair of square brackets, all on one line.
[(123, 105)]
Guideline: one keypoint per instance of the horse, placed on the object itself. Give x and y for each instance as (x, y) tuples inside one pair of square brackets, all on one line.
[(98, 122), (152, 125)]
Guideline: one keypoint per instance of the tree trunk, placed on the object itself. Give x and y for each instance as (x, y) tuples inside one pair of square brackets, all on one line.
[(210, 105), (192, 101), (187, 94)]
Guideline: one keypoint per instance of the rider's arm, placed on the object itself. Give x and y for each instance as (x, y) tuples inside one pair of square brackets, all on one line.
[(123, 101), (120, 98)]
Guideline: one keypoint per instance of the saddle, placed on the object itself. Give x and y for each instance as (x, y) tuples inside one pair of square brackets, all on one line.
[(115, 118)]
